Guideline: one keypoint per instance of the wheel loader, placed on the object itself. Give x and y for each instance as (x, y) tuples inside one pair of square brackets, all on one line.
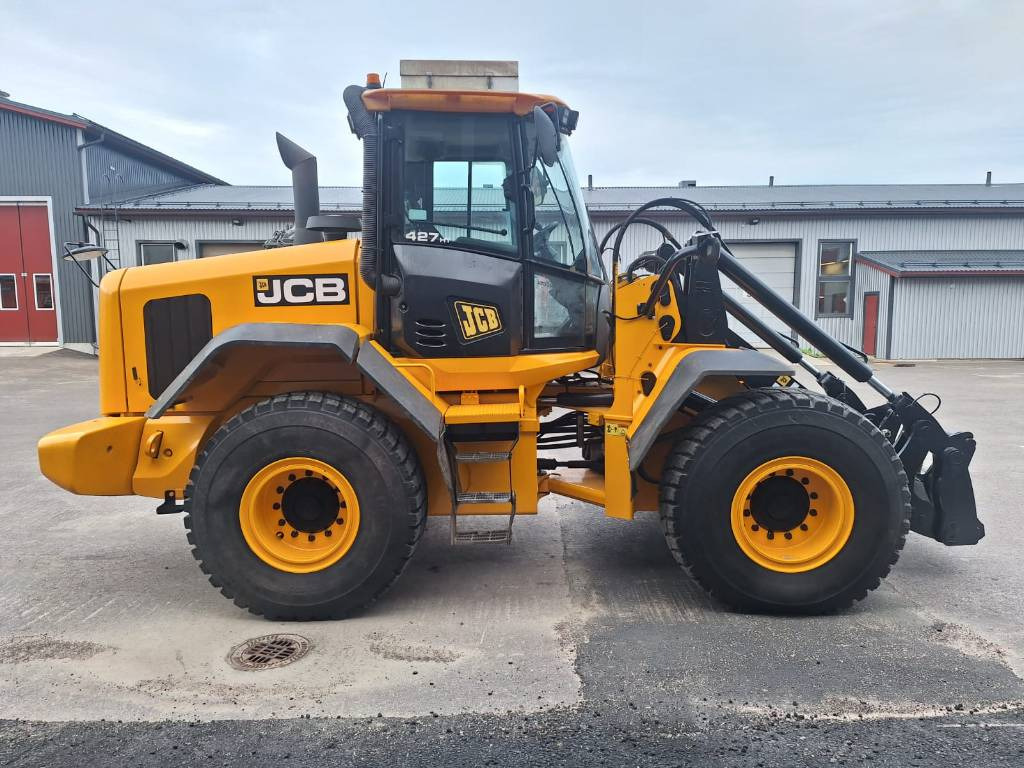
[(307, 408)]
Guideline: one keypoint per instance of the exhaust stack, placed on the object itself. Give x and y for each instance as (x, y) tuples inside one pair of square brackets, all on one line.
[(305, 187)]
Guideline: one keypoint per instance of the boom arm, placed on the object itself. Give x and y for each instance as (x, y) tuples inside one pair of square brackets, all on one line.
[(942, 495)]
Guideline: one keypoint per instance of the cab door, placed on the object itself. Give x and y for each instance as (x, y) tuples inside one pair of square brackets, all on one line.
[(565, 278)]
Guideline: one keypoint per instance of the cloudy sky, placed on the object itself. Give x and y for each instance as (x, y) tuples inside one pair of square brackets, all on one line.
[(725, 93)]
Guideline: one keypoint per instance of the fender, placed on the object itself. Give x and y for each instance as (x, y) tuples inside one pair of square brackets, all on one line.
[(341, 338), (693, 369), (422, 407)]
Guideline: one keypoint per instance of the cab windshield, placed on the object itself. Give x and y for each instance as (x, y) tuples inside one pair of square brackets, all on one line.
[(562, 233)]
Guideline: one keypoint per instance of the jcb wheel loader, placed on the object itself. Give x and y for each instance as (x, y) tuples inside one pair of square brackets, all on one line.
[(308, 407)]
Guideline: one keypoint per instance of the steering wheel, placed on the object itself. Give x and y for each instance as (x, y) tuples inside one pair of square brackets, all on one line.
[(540, 239)]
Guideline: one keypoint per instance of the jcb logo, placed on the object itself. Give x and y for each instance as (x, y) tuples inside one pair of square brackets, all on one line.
[(297, 290), (477, 321)]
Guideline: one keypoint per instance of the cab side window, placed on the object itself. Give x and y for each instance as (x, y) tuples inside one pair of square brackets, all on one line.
[(557, 231), (456, 187)]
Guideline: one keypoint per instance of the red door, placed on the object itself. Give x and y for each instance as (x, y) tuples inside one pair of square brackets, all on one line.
[(27, 296), (869, 345)]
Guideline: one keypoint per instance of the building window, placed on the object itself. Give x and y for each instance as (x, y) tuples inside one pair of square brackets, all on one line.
[(8, 292), (43, 284), (156, 253), (835, 279)]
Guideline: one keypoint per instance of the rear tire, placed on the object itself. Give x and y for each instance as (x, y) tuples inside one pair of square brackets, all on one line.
[(359, 454), (737, 526)]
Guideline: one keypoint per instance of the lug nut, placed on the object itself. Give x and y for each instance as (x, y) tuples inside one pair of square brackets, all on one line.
[(295, 534), (280, 534), (328, 532), (789, 473), (291, 478), (805, 481), (312, 537), (746, 513), (309, 473), (280, 489), (771, 535), (340, 521), (814, 494), (281, 521), (277, 505), (803, 526), (788, 535), (755, 527), (812, 512)]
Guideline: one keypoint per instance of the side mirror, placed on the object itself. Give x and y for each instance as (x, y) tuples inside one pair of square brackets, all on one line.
[(547, 137)]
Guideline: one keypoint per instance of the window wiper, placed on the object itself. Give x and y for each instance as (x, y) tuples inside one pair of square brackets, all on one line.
[(502, 232)]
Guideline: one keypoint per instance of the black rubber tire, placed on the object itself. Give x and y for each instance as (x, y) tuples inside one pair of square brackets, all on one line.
[(349, 435), (732, 438)]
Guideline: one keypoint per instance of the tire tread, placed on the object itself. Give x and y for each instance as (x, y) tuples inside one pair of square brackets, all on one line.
[(369, 419)]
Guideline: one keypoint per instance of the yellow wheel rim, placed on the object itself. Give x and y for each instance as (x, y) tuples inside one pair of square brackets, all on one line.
[(299, 515), (792, 514)]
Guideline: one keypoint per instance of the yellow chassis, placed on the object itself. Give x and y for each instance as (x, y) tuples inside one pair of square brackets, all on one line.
[(145, 444)]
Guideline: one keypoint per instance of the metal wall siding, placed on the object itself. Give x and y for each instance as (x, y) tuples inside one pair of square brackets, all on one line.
[(137, 230), (960, 317), (871, 233), (39, 158), (131, 176)]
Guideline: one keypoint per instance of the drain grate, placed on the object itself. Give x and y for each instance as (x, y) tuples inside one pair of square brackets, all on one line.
[(268, 652)]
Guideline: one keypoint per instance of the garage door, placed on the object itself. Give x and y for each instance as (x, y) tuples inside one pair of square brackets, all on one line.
[(27, 297), (775, 263)]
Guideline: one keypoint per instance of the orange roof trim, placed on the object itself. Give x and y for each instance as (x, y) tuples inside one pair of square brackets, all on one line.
[(42, 114), (429, 100)]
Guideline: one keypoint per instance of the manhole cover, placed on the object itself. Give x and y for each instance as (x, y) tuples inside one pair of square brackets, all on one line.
[(268, 652)]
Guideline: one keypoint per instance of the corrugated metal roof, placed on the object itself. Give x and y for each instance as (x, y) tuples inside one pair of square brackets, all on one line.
[(94, 130), (905, 263), (751, 199), (816, 197)]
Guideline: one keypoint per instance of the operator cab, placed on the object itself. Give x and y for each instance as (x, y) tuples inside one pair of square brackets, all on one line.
[(482, 227)]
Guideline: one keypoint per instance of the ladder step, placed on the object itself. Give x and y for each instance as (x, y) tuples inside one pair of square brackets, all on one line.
[(482, 537), (488, 497), (482, 457)]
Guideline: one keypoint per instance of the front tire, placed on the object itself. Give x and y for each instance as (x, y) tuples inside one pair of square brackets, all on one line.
[(785, 501), (305, 506)]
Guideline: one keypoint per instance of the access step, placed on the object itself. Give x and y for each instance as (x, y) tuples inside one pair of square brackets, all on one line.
[(486, 497), (482, 413), (482, 457), (484, 537)]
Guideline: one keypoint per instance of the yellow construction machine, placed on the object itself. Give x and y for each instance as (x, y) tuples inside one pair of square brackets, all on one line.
[(308, 407)]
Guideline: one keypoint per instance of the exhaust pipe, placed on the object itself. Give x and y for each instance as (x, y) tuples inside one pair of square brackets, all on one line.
[(305, 188)]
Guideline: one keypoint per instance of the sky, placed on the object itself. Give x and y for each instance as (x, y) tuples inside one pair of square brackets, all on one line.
[(901, 91)]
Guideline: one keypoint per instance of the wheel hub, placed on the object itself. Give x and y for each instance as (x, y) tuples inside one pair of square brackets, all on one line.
[(310, 505), (792, 514), (779, 503)]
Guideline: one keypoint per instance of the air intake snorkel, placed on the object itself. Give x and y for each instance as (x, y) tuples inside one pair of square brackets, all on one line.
[(364, 125)]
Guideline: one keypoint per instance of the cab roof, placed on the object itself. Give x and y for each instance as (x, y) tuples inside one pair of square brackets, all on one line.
[(430, 100)]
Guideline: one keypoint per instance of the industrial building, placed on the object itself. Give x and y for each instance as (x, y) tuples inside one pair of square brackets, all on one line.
[(898, 271), (50, 165)]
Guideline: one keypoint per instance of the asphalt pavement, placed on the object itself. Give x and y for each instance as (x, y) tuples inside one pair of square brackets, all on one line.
[(581, 643)]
